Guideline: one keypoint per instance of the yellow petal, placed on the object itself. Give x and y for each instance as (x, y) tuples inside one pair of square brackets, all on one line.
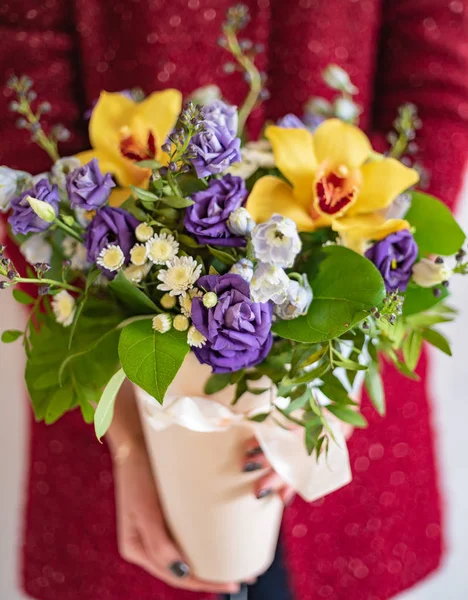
[(158, 113), (112, 113), (118, 196), (272, 196), (295, 158), (356, 231), (382, 181), (337, 143)]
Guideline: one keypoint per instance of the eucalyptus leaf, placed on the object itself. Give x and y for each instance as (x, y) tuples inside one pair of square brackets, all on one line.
[(436, 230), (346, 287), (151, 359), (105, 409)]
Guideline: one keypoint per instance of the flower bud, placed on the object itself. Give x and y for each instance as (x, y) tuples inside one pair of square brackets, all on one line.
[(428, 273), (162, 323), (240, 222), (338, 79), (345, 109), (43, 210), (181, 323), (206, 94), (210, 299), (168, 301), (243, 268), (297, 302)]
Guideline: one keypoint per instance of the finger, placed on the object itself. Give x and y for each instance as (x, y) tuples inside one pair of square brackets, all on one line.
[(254, 463), (252, 448), (268, 485)]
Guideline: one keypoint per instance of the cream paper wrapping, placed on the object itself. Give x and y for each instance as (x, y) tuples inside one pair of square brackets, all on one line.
[(196, 446)]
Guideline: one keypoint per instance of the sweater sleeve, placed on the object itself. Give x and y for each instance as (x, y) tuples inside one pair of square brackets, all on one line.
[(424, 59)]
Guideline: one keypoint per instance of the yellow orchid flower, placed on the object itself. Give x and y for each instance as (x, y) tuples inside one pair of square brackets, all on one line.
[(123, 131), (334, 180)]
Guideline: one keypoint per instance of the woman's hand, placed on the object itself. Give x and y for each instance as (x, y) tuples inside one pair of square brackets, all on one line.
[(270, 482), (142, 534)]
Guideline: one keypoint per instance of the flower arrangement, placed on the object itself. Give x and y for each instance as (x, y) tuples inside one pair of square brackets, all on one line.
[(305, 257)]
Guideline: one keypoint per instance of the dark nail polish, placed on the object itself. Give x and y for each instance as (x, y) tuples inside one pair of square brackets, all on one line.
[(179, 569), (252, 466), (254, 451), (264, 493)]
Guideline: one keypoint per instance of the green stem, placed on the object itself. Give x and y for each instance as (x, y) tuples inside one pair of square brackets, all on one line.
[(42, 140), (255, 80), (50, 282), (71, 232)]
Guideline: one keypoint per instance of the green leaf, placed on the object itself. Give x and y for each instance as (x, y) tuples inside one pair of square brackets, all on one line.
[(375, 388), (418, 299), (217, 382), (144, 194), (412, 349), (312, 434), (148, 164), (345, 285), (131, 297), (59, 403), (348, 415), (222, 255), (151, 359), (22, 297), (188, 241), (306, 377), (105, 409), (177, 201), (436, 339), (130, 206), (11, 335), (436, 230)]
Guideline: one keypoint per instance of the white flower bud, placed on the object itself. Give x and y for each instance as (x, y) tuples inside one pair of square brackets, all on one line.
[(162, 323), (144, 232), (243, 268), (428, 273), (240, 222), (181, 323), (210, 299), (206, 94), (318, 106), (168, 301), (338, 79), (43, 210), (345, 109)]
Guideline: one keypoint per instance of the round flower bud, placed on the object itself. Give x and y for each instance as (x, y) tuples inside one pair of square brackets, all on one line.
[(43, 210), (240, 222), (244, 268), (162, 323), (210, 299), (181, 323), (345, 109), (168, 301), (139, 255), (338, 79), (144, 232), (428, 273)]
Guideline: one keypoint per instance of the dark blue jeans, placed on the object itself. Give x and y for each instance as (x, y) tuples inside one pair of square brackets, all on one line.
[(273, 584)]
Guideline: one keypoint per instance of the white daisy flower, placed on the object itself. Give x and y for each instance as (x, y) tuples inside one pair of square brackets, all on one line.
[(144, 232), (139, 255), (162, 323), (162, 248), (180, 275), (63, 305), (181, 323), (195, 338), (137, 274), (111, 258), (186, 301)]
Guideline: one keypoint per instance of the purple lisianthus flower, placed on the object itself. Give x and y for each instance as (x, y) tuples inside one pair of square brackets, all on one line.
[(216, 148), (237, 330), (394, 257), (23, 219), (290, 121), (110, 226), (207, 218), (88, 188)]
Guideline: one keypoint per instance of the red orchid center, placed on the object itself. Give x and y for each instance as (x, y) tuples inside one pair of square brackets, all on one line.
[(335, 191), (133, 149)]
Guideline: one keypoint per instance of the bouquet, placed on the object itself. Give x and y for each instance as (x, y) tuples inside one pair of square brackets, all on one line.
[(290, 266)]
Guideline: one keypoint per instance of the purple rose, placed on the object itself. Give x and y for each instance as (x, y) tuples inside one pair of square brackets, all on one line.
[(88, 188), (110, 226), (23, 219), (216, 147), (207, 218), (237, 330), (394, 257), (290, 121)]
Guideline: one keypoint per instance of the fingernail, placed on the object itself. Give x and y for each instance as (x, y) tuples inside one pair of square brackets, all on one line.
[(252, 466), (179, 569), (254, 451), (264, 493)]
